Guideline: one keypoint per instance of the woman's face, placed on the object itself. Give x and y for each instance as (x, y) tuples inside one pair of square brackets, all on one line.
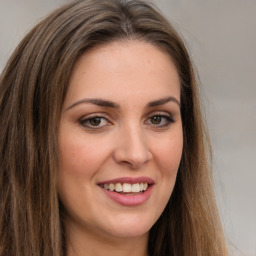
[(120, 140)]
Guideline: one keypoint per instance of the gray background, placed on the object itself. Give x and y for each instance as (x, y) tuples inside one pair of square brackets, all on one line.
[(221, 37)]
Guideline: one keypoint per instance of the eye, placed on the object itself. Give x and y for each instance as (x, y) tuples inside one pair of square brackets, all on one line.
[(94, 122), (160, 120), (156, 119)]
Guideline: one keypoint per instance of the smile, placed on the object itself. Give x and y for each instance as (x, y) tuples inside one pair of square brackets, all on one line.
[(126, 187), (128, 191)]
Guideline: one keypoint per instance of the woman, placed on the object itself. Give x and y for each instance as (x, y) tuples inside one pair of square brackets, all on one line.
[(103, 146)]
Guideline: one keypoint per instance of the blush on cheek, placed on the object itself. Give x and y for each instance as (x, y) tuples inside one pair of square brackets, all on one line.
[(169, 155), (80, 161)]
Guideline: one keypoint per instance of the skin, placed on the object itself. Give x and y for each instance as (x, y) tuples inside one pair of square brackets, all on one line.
[(129, 139)]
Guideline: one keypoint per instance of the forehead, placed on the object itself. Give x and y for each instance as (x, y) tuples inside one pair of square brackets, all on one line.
[(117, 68)]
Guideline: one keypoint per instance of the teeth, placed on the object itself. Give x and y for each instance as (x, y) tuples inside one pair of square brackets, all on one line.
[(126, 187), (111, 187), (118, 187), (136, 187)]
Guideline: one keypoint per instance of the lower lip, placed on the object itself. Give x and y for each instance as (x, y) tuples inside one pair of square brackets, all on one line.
[(129, 200)]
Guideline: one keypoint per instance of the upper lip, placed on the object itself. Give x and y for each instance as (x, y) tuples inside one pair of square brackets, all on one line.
[(130, 180)]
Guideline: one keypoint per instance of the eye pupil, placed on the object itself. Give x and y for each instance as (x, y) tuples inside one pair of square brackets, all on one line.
[(156, 119), (95, 121)]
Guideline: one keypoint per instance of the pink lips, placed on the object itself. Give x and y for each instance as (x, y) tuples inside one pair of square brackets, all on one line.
[(128, 199), (130, 180)]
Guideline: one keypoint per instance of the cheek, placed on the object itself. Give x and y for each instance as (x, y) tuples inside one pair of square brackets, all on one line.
[(80, 160), (168, 153), (79, 156)]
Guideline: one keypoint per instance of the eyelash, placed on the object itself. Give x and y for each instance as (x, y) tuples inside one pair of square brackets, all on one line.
[(168, 120), (87, 122)]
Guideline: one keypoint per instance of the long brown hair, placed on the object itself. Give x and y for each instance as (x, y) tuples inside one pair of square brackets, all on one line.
[(32, 90)]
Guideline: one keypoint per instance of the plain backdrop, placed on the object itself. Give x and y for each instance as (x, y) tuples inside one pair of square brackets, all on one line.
[(221, 37)]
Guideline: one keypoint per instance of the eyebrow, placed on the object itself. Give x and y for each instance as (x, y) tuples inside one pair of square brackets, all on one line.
[(163, 101), (98, 102), (111, 104)]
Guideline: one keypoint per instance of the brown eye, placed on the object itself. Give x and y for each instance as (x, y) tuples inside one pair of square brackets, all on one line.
[(160, 120), (94, 122), (156, 119)]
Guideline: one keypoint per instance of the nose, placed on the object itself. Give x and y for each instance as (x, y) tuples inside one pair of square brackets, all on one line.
[(131, 148)]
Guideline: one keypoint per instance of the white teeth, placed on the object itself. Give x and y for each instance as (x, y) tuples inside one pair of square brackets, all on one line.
[(118, 187), (136, 187), (126, 187), (111, 187)]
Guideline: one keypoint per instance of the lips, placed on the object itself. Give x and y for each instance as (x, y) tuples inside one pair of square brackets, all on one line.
[(128, 191)]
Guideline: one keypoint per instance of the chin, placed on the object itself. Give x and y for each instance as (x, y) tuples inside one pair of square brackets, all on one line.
[(130, 233), (130, 227)]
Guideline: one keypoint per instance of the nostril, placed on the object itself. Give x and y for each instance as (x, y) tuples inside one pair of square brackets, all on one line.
[(134, 161)]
